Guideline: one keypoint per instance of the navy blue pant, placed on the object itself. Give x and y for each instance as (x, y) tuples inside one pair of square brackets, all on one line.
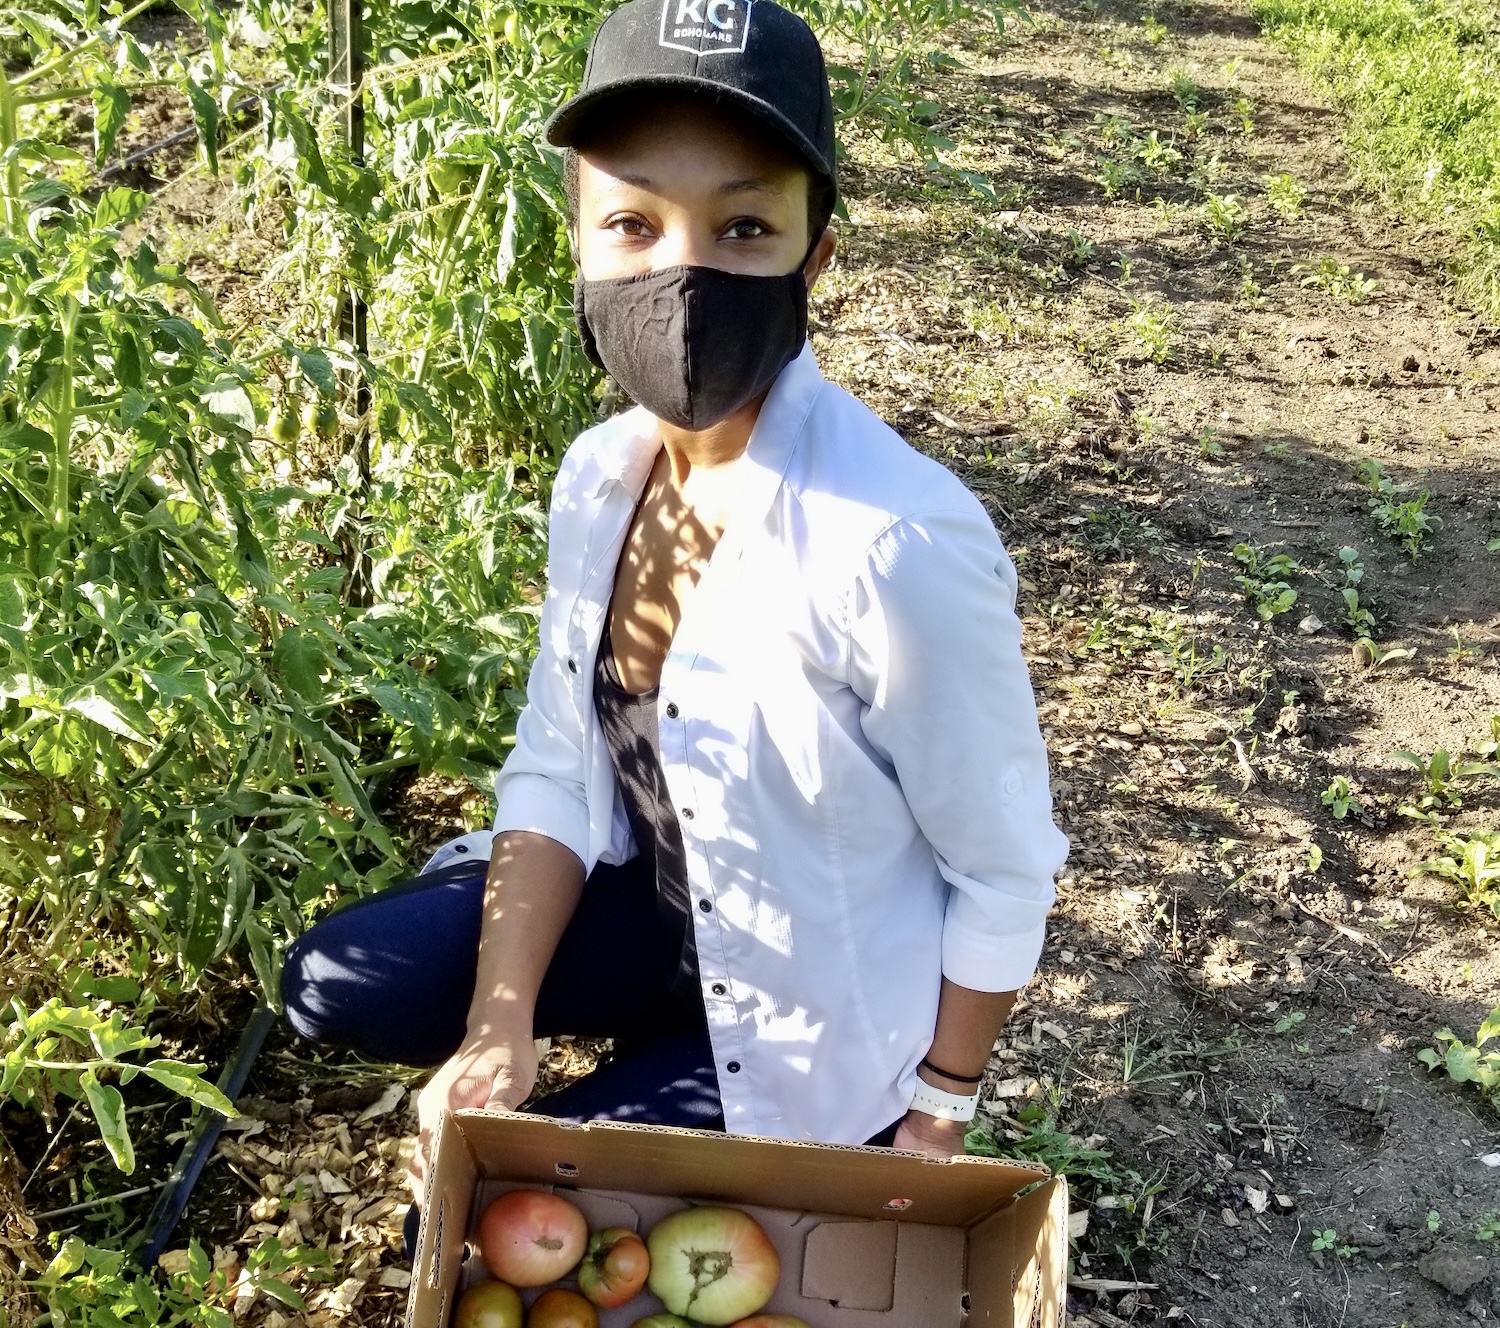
[(391, 976)]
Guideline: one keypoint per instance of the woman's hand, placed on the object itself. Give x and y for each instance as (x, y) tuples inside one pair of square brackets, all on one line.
[(921, 1133), (489, 1070)]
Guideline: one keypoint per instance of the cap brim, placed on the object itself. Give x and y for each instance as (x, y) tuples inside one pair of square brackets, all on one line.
[(563, 126)]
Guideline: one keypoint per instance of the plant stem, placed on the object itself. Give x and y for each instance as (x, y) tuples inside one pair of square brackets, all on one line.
[(73, 52), (75, 93), (58, 481), (8, 136), (449, 260)]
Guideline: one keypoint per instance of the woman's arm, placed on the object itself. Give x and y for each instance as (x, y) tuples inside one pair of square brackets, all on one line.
[(936, 655), (532, 892), (967, 1024)]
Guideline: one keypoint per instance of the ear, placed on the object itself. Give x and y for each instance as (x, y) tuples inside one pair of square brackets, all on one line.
[(821, 257)]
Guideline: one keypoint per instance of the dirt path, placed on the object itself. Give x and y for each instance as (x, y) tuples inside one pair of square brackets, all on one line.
[(1233, 1028), (1220, 1045)]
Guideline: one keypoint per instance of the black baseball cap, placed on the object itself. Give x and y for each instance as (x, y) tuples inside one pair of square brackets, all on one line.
[(751, 53)]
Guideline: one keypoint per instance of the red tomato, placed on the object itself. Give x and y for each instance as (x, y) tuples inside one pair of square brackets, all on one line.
[(489, 1305), (614, 1269), (712, 1265), (529, 1238), (773, 1321), (561, 1309)]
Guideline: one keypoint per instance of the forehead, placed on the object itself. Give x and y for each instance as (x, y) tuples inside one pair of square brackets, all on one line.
[(673, 133)]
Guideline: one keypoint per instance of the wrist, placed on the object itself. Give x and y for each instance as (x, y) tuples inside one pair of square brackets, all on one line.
[(500, 1021), (946, 1083)]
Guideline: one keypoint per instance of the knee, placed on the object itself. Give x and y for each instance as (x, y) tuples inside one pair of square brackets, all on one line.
[(304, 996)]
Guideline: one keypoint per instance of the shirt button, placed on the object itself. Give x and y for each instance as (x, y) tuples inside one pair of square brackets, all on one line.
[(704, 906), (720, 989), (687, 813), (572, 666), (733, 1067), (671, 709)]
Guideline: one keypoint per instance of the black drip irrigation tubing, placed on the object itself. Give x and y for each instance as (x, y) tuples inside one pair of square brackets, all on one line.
[(178, 1186), (171, 141)]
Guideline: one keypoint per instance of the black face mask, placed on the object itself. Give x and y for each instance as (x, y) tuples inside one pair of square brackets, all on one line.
[(693, 344)]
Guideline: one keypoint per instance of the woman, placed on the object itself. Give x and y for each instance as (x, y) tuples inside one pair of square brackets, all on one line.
[(777, 819)]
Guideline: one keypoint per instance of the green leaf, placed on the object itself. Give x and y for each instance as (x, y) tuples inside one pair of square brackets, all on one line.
[(111, 106), (279, 1290), (104, 712), (206, 119), (119, 207), (1462, 1062), (185, 1081), (228, 400), (301, 661), (317, 369), (109, 1114), (1490, 1028), (68, 1260)]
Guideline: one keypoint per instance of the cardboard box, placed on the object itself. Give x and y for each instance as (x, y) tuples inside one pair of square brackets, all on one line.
[(868, 1237)]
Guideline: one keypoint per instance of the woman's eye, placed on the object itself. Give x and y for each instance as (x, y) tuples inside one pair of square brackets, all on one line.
[(746, 229), (631, 227)]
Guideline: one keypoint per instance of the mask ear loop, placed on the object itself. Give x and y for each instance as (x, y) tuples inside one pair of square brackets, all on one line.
[(812, 249)]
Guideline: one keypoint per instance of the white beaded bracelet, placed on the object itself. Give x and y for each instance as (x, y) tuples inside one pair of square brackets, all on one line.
[(944, 1106)]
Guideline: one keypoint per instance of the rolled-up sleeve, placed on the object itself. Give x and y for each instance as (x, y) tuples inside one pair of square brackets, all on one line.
[(542, 786), (935, 654)]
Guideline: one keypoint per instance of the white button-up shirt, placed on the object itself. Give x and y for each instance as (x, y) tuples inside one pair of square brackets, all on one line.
[(848, 733)]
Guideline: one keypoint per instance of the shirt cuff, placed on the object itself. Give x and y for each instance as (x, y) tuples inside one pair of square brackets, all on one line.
[(536, 804), (983, 961)]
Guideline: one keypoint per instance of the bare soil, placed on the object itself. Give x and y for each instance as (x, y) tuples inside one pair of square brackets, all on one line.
[(1220, 1044)]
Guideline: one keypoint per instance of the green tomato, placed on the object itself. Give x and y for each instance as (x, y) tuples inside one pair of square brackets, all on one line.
[(549, 44), (320, 417), (447, 176), (284, 425), (513, 28)]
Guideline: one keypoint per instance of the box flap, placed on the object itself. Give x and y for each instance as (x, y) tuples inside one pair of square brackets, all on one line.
[(610, 1155), (851, 1264)]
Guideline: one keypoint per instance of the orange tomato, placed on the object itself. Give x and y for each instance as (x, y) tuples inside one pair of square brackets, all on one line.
[(560, 1308)]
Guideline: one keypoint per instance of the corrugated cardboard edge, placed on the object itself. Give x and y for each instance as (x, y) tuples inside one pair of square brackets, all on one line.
[(1018, 1261), (1034, 1225), (441, 1237)]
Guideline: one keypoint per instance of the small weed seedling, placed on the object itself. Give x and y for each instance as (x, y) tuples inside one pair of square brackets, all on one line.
[(1114, 128), (1081, 249), (1244, 110), (1116, 532), (1335, 278), (1184, 88), (1153, 327), (1404, 519), (1465, 1063), (1225, 216), (1114, 176), (1289, 1022), (1285, 195), (1339, 798), (1440, 775), (1328, 1240), (1488, 1227), (1357, 617), (1434, 1221), (1472, 861), (1157, 153), (1156, 31), (1265, 580)]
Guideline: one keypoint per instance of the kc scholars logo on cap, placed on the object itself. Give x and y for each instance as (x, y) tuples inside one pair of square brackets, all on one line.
[(706, 27)]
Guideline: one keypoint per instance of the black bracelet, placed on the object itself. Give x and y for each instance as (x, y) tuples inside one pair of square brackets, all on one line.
[(948, 1074)]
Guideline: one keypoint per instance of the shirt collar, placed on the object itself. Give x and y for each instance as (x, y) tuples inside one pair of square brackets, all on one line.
[(627, 451)]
